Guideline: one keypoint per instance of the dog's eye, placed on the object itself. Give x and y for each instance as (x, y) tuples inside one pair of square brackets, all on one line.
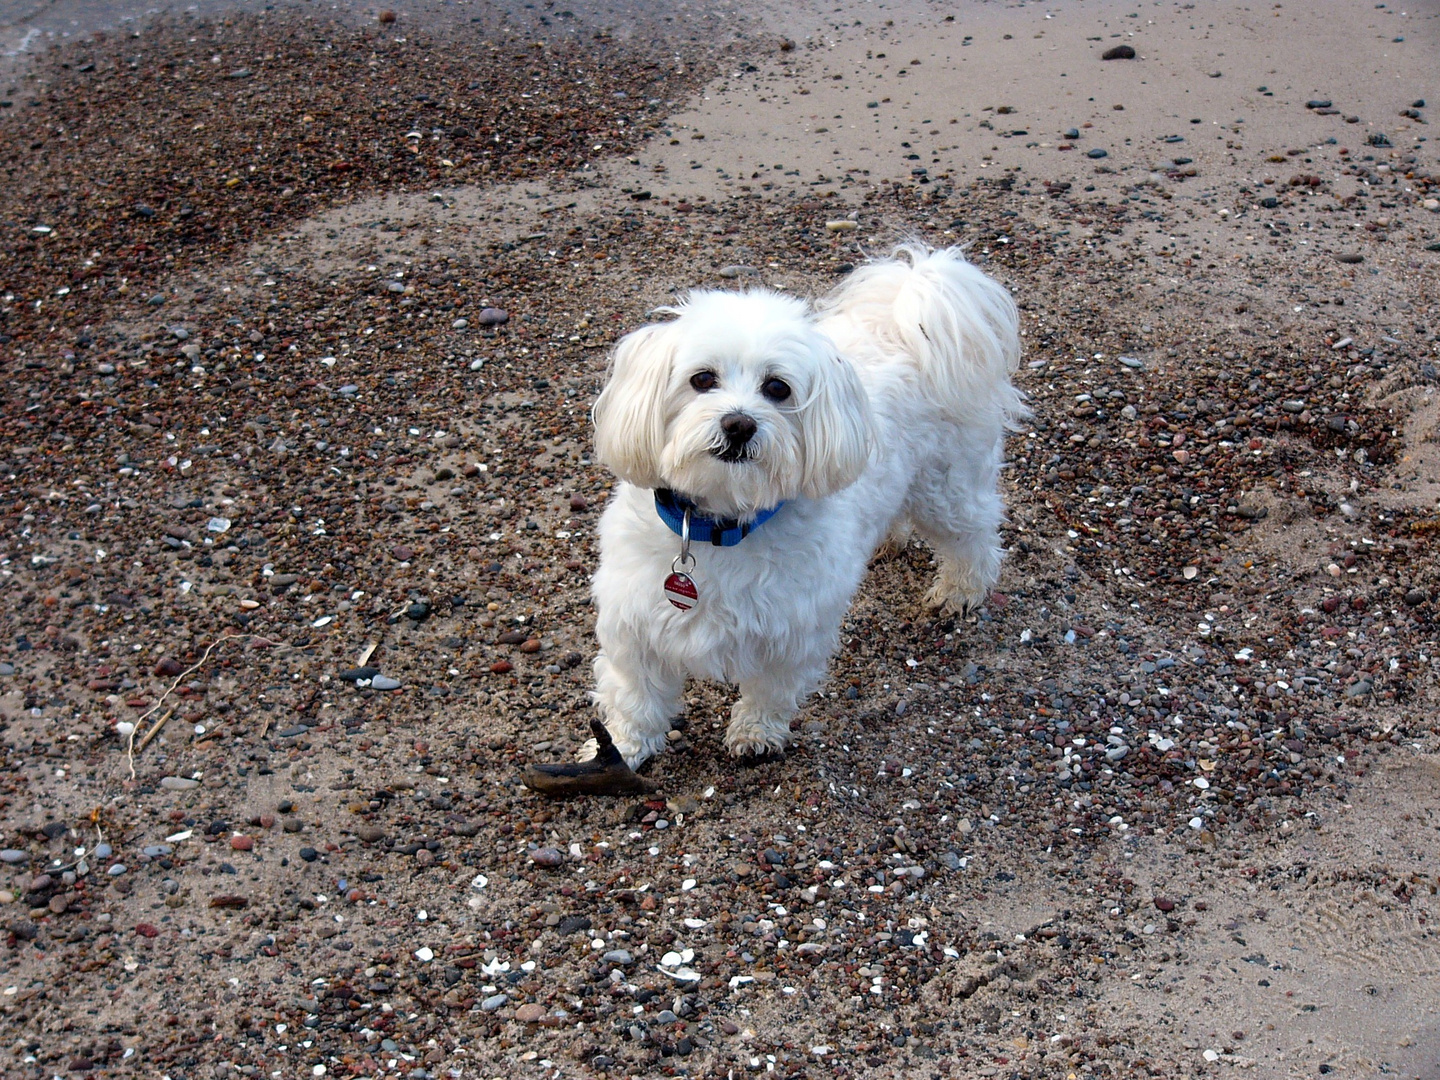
[(704, 380), (775, 389)]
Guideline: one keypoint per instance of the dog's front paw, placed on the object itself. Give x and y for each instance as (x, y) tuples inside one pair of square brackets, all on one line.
[(754, 740), (957, 602), (962, 587), (635, 753), (754, 758)]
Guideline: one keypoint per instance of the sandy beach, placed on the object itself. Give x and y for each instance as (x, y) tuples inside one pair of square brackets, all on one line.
[(302, 311)]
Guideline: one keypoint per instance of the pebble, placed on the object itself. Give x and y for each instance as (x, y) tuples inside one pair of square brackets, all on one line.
[(495, 1001), (179, 783), (385, 682), (618, 956), (530, 1013), (1118, 52), (102, 851), (358, 674), (491, 316), (116, 869), (1097, 152), (13, 856), (546, 857)]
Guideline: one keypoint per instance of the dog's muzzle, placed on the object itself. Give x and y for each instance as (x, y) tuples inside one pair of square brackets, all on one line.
[(737, 429)]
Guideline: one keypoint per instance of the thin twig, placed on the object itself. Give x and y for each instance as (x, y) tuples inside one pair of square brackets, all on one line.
[(209, 734), (130, 747)]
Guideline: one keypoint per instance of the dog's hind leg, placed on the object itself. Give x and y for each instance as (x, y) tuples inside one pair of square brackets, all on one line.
[(895, 543), (637, 702), (959, 515)]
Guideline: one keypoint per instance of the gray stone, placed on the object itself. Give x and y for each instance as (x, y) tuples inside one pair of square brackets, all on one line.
[(490, 1004)]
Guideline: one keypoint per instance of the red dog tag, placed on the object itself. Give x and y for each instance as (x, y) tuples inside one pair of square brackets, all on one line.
[(681, 591)]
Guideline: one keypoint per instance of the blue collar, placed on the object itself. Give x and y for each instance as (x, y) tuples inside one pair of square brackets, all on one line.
[(721, 532)]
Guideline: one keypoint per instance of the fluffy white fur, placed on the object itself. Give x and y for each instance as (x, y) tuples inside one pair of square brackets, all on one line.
[(901, 397)]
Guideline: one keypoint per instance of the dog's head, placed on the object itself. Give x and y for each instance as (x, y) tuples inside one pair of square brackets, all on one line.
[(739, 403)]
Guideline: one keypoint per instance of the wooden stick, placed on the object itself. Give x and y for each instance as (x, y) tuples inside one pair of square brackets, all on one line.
[(154, 730)]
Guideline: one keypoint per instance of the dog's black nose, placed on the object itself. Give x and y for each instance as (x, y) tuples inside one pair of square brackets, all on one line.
[(739, 429)]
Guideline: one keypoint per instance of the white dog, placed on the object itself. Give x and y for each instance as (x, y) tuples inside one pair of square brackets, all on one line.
[(789, 442)]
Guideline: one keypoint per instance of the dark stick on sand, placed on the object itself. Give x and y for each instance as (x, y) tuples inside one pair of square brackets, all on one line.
[(604, 774)]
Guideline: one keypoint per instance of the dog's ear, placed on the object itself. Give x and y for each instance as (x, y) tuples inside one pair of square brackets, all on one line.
[(629, 415), (836, 427)]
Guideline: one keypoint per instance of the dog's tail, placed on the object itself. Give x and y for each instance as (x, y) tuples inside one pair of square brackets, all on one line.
[(959, 326)]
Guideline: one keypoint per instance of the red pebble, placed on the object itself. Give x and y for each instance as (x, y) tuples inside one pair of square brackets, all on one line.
[(242, 843), (500, 667)]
